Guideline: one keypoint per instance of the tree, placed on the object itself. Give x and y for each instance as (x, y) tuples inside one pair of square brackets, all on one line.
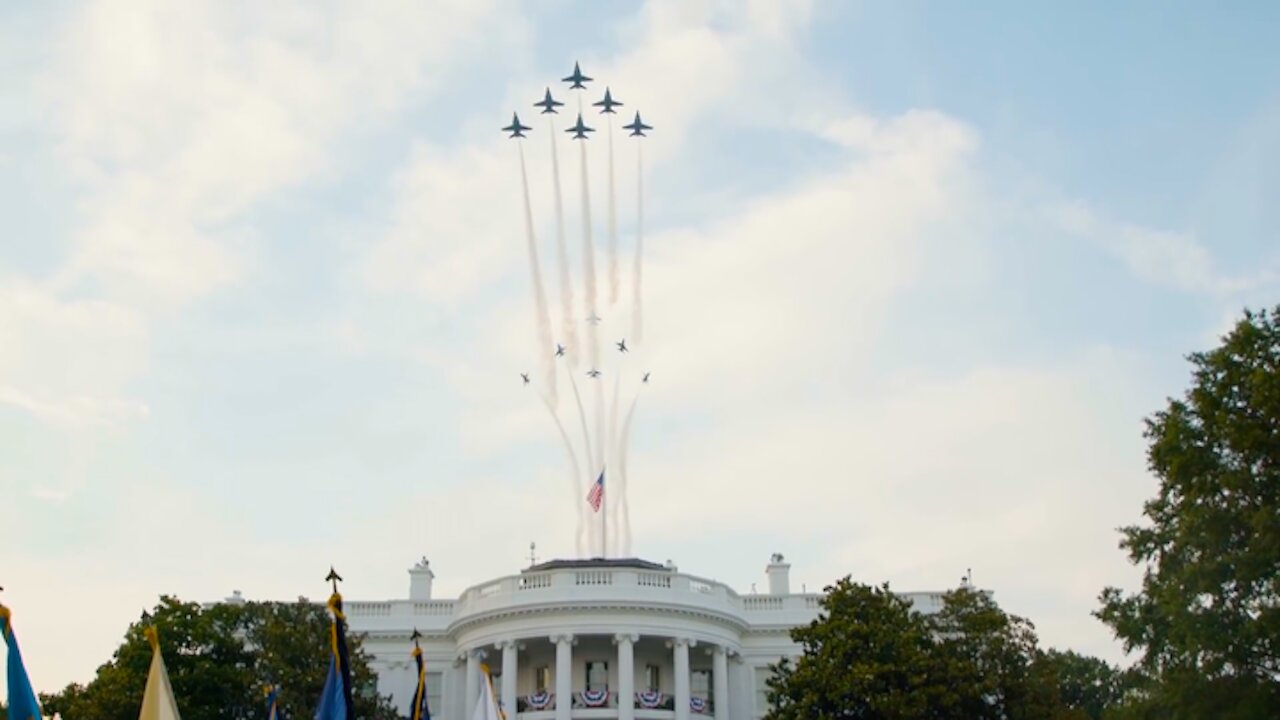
[(987, 658), (869, 655), (1082, 683), (220, 658), (866, 656), (1207, 618)]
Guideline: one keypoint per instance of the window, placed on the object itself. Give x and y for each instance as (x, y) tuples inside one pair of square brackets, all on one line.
[(435, 694), (542, 679), (597, 675), (700, 684), (652, 678), (762, 689)]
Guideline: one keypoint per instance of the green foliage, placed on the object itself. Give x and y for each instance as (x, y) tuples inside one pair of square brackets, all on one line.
[(870, 656), (220, 659), (866, 656), (1085, 684), (986, 658), (1207, 619)]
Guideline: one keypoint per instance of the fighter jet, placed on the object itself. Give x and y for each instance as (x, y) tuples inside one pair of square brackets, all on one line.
[(559, 350), (608, 103), (579, 129), (637, 127), (577, 79), (548, 104), (622, 345), (593, 373), (515, 128), (645, 379), (594, 319), (525, 377)]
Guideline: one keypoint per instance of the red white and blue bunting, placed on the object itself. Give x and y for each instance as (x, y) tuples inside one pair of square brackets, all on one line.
[(540, 700), (650, 699), (698, 706), (594, 698)]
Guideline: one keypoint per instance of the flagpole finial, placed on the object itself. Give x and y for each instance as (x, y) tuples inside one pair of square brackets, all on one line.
[(415, 637), (333, 577)]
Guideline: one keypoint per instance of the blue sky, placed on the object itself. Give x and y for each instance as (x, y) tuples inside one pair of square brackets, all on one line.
[(914, 274)]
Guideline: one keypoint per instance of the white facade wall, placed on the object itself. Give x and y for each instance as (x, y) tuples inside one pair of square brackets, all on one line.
[(656, 610)]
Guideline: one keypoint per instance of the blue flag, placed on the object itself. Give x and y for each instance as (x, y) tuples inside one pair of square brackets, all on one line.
[(273, 704), (22, 699), (333, 701), (335, 698)]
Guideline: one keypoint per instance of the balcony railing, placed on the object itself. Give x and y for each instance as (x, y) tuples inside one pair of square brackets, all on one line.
[(630, 584), (589, 700), (569, 585)]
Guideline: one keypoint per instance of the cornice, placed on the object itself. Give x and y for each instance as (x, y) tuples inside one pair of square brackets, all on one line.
[(726, 620)]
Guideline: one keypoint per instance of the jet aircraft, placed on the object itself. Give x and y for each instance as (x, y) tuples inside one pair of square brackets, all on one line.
[(548, 103), (525, 377), (593, 373), (622, 345), (637, 127), (608, 103), (579, 129), (559, 350), (645, 379), (594, 319), (577, 79), (515, 128)]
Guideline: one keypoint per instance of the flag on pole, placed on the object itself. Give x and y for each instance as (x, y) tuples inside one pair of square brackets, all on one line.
[(335, 699), (595, 497), (22, 699), (487, 707), (158, 702), (420, 710), (273, 703)]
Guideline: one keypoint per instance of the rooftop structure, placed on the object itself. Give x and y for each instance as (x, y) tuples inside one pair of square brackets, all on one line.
[(593, 639)]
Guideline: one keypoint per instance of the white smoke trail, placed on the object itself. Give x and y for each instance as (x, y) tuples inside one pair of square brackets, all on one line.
[(568, 327), (543, 316), (576, 478), (593, 318), (586, 438), (625, 506), (589, 263), (618, 488), (637, 262), (613, 226)]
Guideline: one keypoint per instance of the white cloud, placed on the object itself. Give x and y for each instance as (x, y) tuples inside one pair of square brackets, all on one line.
[(1172, 259), (179, 120), (68, 361)]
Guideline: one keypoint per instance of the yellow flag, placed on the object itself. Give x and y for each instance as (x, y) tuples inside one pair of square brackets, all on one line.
[(157, 700)]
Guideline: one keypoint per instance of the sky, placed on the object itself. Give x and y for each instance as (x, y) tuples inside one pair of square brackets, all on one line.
[(914, 275)]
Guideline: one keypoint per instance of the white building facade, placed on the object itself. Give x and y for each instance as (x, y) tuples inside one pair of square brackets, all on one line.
[(591, 640)]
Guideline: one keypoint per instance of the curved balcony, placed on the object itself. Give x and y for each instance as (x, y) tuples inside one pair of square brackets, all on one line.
[(626, 583)]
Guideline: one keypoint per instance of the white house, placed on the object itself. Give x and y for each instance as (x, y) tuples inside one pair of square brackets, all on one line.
[(579, 639)]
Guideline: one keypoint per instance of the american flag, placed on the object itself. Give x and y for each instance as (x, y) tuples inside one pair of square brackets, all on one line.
[(595, 498)]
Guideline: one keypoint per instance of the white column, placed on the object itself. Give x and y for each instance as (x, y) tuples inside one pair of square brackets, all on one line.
[(454, 700), (564, 676), (626, 676), (509, 677), (720, 682), (473, 683), (681, 648)]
